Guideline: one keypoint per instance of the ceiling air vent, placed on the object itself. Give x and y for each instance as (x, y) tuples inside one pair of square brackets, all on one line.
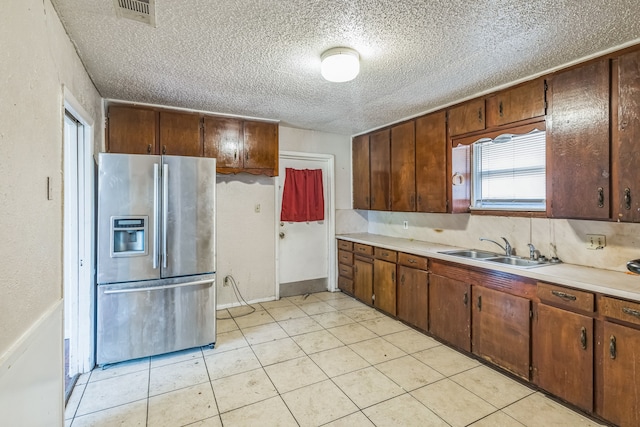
[(139, 10)]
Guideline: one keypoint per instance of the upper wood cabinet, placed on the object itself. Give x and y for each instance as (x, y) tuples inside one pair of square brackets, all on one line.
[(131, 130), (625, 145), (361, 173), (261, 146), (223, 140), (431, 162), (468, 117), (521, 102), (403, 167), (180, 134), (578, 169), (380, 170)]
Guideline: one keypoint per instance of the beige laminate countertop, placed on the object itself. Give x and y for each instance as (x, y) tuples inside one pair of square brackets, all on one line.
[(608, 282)]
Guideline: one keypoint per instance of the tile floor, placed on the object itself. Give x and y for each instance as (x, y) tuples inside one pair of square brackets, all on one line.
[(325, 359)]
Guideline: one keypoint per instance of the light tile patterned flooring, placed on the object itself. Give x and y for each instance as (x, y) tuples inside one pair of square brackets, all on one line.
[(325, 359)]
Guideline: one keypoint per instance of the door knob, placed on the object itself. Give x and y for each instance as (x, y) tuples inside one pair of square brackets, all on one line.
[(281, 235)]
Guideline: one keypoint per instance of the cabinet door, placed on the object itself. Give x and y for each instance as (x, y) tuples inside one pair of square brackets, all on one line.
[(563, 354), (180, 134), (625, 147), (431, 163), (578, 166), (403, 167), (223, 140), (360, 148), (621, 375), (384, 286), (131, 130), (261, 146), (380, 152), (449, 312), (501, 329), (522, 102), (363, 281), (468, 117), (412, 296)]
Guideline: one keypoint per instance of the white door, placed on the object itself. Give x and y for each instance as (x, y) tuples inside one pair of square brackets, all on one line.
[(305, 249)]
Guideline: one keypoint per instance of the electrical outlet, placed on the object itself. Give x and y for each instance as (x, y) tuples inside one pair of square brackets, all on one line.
[(226, 281), (405, 225), (596, 241)]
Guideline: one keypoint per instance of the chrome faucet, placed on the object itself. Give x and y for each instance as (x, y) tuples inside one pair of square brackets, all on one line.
[(506, 248), (533, 253)]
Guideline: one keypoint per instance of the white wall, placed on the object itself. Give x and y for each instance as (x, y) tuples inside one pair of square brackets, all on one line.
[(36, 61), (565, 239)]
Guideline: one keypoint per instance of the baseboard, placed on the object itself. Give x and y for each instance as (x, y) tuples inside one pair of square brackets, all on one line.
[(303, 287), (31, 374)]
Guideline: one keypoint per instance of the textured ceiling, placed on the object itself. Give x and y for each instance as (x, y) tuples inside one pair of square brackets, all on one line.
[(261, 58)]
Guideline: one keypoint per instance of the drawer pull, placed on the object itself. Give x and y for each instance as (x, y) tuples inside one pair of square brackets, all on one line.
[(612, 347), (412, 261), (583, 338), (385, 253), (465, 298), (361, 249), (480, 303), (565, 296), (631, 311)]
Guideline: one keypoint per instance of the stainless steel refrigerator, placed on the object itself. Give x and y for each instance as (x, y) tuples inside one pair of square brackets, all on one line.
[(156, 255)]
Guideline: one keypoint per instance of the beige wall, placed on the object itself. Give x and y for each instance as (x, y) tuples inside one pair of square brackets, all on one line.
[(565, 239), (36, 61)]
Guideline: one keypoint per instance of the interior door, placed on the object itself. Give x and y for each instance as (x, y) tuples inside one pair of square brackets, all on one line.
[(188, 210), (304, 246)]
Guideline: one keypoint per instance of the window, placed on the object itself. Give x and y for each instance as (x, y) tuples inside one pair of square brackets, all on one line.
[(509, 172)]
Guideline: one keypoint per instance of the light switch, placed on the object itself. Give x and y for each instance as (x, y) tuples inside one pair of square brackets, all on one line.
[(257, 208)]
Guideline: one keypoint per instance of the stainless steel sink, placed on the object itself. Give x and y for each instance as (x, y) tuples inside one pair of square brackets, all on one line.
[(499, 259), (517, 262), (471, 253)]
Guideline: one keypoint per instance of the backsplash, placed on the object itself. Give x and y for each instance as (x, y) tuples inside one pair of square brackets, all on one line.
[(566, 239)]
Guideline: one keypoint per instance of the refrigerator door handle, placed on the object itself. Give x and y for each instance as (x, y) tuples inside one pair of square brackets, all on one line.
[(165, 211), (155, 214), (158, 288)]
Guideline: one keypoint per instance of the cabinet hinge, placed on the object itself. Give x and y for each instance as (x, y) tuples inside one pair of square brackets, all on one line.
[(546, 85), (530, 314), (530, 368)]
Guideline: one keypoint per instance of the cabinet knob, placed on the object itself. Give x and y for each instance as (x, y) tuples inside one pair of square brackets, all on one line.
[(465, 298), (500, 109), (149, 149), (164, 149), (583, 338), (612, 347), (246, 155), (627, 198), (479, 302), (600, 197)]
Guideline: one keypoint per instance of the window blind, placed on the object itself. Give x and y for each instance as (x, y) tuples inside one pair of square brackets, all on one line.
[(509, 172)]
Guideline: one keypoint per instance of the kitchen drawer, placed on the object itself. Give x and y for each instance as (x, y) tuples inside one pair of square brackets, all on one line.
[(566, 297), (614, 308), (421, 263), (345, 270), (344, 245), (361, 249), (346, 285), (345, 257), (385, 254)]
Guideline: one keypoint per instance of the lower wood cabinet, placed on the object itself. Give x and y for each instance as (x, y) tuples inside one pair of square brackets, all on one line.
[(501, 329), (563, 354), (412, 296), (363, 280), (449, 312), (384, 286)]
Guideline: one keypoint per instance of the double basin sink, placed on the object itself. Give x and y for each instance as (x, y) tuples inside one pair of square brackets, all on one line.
[(497, 258)]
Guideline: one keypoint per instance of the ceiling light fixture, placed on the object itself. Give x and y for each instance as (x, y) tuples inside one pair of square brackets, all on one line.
[(340, 64)]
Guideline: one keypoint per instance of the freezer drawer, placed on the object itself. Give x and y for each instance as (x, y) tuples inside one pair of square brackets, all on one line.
[(154, 317)]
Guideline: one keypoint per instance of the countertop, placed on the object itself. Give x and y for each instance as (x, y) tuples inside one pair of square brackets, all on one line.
[(614, 283)]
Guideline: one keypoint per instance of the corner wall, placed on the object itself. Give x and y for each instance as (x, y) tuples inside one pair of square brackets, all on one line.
[(37, 61)]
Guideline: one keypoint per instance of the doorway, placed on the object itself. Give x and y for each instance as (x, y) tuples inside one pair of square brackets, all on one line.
[(77, 243), (306, 250)]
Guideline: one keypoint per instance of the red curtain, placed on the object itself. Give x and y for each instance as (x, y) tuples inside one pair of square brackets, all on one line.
[(302, 196)]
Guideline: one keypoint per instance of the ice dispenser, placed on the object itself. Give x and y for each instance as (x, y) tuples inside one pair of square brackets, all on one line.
[(129, 235)]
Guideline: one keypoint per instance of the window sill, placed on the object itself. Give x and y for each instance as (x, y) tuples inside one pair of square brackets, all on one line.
[(502, 212)]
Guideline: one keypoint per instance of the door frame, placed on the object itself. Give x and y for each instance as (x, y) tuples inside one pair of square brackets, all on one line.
[(85, 323), (329, 199)]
